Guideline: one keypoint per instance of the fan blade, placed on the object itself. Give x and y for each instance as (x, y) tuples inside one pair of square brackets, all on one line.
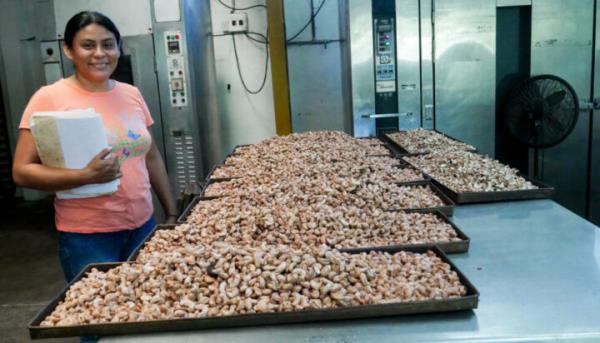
[(532, 92), (556, 97), (554, 124)]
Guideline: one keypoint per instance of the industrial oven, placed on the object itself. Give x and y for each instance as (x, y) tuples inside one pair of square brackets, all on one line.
[(391, 69)]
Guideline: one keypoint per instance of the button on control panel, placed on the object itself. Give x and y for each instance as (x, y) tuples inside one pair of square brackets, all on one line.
[(176, 68)]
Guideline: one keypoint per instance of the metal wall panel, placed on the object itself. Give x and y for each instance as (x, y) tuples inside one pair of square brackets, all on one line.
[(22, 67), (132, 17), (202, 70), (465, 67), (46, 23), (594, 191), (561, 38), (314, 70), (361, 59), (346, 66), (407, 64), (427, 98)]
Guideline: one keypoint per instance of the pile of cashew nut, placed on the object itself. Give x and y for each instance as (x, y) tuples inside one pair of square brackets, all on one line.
[(464, 171), (425, 141), (195, 281), (267, 241)]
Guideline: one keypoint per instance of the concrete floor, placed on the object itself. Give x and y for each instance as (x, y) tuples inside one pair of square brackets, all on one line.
[(30, 273)]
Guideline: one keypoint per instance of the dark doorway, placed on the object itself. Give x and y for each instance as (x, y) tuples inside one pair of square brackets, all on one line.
[(513, 61)]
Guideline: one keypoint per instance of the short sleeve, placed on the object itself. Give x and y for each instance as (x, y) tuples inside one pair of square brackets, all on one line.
[(147, 116), (39, 102)]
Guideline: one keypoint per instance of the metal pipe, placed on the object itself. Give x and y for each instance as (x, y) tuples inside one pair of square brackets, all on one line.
[(312, 20), (421, 105), (588, 188), (316, 42)]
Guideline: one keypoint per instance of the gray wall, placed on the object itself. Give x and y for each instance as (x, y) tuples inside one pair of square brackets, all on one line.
[(465, 69), (21, 62), (318, 97), (408, 60), (561, 39), (245, 118), (202, 70)]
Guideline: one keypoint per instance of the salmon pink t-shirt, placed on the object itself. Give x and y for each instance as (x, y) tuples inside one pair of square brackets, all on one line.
[(126, 118)]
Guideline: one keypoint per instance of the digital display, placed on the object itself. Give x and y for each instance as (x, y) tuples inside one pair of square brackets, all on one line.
[(173, 47)]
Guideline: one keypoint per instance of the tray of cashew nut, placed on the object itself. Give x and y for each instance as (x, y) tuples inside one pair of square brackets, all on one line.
[(371, 167), (223, 286), (398, 172), (340, 192), (220, 219), (349, 232), (421, 141), (190, 207), (468, 177), (259, 219)]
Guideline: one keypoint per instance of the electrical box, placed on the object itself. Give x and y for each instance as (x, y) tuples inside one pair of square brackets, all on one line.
[(385, 57), (384, 60), (237, 22), (176, 68)]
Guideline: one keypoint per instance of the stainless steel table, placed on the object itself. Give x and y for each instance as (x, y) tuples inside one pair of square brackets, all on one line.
[(536, 265)]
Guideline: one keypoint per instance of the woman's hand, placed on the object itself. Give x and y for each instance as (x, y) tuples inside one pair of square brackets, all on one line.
[(102, 168)]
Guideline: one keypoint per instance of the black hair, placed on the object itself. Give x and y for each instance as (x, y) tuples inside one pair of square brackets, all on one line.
[(85, 18)]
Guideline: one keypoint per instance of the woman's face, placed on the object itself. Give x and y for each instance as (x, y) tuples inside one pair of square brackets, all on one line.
[(95, 53)]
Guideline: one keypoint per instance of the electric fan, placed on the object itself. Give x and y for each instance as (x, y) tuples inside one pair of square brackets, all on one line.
[(541, 113)]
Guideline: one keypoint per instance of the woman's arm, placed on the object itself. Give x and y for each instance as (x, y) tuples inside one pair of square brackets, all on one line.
[(160, 183), (29, 172)]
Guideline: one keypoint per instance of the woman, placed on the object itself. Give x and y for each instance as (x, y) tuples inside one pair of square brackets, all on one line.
[(105, 228)]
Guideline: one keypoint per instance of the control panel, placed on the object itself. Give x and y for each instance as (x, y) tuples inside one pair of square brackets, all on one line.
[(384, 66), (385, 51), (176, 68)]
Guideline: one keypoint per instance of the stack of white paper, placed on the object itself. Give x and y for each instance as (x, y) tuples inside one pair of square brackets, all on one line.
[(70, 139)]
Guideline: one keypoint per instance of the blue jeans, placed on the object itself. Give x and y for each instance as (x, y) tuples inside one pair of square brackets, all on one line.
[(77, 250)]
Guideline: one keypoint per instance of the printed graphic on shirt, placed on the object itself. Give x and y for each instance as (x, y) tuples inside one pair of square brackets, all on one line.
[(128, 136)]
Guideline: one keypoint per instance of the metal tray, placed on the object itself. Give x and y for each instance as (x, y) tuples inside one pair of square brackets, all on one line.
[(403, 165), (210, 182), (467, 302), (461, 246), (188, 210), (376, 143), (136, 251), (235, 148), (543, 192), (231, 153), (391, 151), (447, 209), (398, 149), (209, 176)]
